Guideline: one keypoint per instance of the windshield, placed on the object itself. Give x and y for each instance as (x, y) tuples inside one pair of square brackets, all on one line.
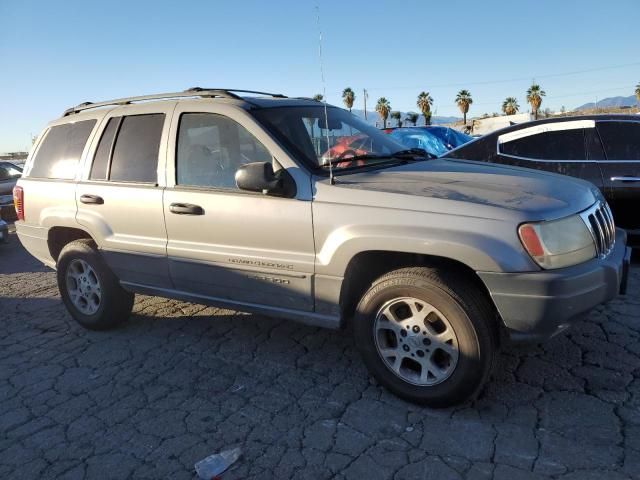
[(341, 140), (420, 138)]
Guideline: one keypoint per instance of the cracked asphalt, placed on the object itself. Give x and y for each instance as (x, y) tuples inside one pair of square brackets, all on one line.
[(179, 382)]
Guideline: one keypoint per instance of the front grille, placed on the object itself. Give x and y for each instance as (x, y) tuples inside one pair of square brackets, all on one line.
[(599, 220)]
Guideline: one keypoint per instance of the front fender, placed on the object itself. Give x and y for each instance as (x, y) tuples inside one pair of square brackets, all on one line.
[(478, 250)]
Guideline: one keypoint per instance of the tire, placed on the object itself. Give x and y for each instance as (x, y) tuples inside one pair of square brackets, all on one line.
[(427, 369), (89, 289)]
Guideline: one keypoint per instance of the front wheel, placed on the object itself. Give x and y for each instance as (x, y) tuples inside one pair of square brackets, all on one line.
[(426, 335)]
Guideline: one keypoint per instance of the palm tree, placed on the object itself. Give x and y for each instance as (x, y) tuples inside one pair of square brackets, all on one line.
[(318, 97), (383, 107), (510, 106), (534, 97), (637, 92), (348, 97), (424, 104), (463, 100), (412, 117), (397, 116)]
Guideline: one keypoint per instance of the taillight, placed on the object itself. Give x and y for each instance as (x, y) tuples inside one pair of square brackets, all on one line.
[(18, 201)]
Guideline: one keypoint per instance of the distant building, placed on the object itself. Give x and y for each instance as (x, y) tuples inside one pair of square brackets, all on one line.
[(14, 156), (482, 126)]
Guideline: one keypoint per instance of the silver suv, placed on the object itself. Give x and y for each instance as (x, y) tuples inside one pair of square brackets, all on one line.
[(287, 207)]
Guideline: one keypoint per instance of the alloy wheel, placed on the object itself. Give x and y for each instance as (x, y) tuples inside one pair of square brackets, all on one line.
[(416, 341)]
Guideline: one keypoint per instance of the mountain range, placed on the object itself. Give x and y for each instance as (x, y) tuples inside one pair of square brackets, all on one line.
[(629, 101)]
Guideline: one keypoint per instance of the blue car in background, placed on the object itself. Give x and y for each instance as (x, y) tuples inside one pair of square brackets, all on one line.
[(435, 140)]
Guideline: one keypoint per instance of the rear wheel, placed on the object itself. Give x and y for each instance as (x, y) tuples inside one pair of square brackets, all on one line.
[(89, 289), (426, 335)]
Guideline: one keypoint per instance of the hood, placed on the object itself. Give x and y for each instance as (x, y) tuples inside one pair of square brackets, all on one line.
[(538, 194)]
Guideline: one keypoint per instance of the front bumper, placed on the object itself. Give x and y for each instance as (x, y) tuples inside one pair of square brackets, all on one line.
[(4, 232), (535, 306)]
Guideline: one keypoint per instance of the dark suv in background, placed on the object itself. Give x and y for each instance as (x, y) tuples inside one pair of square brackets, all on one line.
[(604, 149)]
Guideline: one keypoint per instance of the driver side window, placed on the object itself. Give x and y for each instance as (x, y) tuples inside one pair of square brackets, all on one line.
[(211, 148)]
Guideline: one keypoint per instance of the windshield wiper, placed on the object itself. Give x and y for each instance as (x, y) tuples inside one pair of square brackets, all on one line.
[(355, 158), (415, 154)]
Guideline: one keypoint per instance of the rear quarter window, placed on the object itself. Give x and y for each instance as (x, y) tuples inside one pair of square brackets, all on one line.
[(60, 152)]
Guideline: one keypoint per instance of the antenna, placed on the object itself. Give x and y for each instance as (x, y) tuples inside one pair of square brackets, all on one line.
[(332, 180), (365, 95)]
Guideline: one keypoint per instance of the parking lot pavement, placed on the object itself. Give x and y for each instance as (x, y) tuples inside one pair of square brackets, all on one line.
[(181, 381)]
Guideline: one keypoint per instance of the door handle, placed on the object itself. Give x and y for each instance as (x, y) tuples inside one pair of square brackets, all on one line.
[(93, 199), (625, 179), (186, 209)]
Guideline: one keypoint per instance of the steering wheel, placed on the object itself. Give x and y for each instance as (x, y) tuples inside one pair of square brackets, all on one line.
[(345, 155), (351, 153)]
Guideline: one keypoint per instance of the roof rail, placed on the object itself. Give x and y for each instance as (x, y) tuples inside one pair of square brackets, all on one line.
[(232, 90), (192, 92)]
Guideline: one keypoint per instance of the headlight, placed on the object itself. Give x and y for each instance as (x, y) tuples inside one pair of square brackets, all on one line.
[(558, 243)]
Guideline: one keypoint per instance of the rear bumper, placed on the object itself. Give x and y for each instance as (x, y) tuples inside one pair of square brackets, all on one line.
[(35, 241), (535, 306)]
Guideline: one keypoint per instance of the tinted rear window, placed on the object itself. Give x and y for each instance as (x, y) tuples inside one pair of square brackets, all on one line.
[(554, 145), (135, 154), (100, 167), (621, 140), (594, 145), (61, 149)]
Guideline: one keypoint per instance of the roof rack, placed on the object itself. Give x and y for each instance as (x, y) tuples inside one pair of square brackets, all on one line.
[(192, 92), (232, 90)]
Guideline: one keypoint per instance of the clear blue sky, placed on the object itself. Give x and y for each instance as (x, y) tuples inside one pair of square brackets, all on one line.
[(55, 54)]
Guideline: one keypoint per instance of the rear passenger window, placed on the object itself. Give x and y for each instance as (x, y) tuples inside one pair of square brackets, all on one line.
[(211, 148), (135, 153), (554, 145), (61, 149), (621, 140)]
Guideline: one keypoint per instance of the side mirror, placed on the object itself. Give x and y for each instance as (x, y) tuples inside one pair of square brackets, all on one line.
[(260, 177)]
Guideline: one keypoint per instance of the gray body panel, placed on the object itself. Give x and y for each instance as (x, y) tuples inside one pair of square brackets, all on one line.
[(245, 247), (536, 306), (130, 223), (468, 211)]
